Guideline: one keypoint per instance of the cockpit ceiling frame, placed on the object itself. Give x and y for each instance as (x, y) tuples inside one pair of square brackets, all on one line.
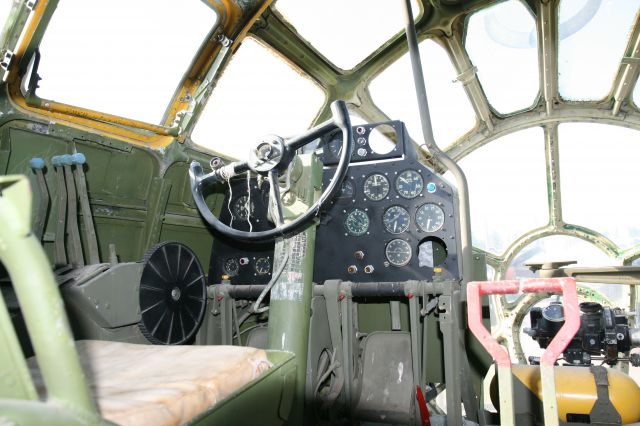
[(234, 20)]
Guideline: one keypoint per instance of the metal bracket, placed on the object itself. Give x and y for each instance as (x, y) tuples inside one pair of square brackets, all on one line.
[(6, 60), (31, 4), (224, 40), (630, 60), (467, 75)]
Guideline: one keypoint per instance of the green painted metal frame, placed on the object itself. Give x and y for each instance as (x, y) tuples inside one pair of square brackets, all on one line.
[(69, 400)]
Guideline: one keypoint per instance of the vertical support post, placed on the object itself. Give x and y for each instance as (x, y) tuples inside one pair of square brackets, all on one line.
[(292, 293), (451, 339)]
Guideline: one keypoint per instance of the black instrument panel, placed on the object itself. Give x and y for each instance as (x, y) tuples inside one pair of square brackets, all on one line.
[(393, 220), (245, 207)]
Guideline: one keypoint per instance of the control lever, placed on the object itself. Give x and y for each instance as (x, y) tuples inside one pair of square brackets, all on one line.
[(79, 160), (59, 249), (73, 232), (37, 165)]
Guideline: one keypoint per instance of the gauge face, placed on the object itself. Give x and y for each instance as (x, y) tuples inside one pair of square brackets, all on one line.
[(347, 190), (335, 147), (231, 267), (376, 187), (398, 252), (357, 222), (396, 219), (409, 184), (430, 217), (240, 209), (263, 265)]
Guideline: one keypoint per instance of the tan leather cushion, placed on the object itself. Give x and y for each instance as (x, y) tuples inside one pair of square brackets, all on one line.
[(161, 385)]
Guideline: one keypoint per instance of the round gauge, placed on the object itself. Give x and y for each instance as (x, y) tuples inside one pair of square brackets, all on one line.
[(240, 209), (347, 190), (430, 217), (376, 187), (357, 222), (263, 265), (396, 219), (335, 147), (398, 252), (409, 184), (231, 267)]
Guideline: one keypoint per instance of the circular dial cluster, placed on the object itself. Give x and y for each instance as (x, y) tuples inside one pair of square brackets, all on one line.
[(430, 217), (409, 184), (263, 266), (242, 208), (398, 252), (396, 219), (376, 187), (357, 222)]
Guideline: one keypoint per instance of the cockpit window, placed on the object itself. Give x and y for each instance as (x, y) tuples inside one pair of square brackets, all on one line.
[(345, 32), (257, 94), (589, 198), (508, 189), (593, 35), (451, 112), (115, 57), (502, 43)]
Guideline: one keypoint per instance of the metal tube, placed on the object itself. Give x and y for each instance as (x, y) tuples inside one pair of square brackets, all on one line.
[(430, 143), (37, 165)]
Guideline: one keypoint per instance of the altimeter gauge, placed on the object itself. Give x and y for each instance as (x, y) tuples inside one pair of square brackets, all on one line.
[(231, 267)]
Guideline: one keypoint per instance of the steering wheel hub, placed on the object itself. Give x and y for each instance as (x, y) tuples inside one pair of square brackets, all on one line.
[(267, 155)]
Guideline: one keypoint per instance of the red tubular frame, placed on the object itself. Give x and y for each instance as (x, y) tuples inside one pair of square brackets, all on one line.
[(566, 286)]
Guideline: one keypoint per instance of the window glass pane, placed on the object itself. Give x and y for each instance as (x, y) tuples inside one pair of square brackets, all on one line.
[(258, 94), (346, 32), (599, 177), (593, 37), (116, 57), (502, 43), (451, 112), (507, 189)]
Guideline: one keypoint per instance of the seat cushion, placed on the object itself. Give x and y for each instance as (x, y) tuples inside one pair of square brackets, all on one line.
[(161, 385)]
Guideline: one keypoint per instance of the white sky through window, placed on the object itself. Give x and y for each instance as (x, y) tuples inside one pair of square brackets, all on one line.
[(507, 178), (599, 174), (393, 91), (346, 32), (593, 37), (91, 47), (258, 94), (502, 43)]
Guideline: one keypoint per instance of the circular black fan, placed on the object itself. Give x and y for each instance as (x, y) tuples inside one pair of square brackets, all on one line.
[(173, 294)]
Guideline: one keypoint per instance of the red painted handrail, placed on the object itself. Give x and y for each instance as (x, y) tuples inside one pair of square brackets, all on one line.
[(566, 286)]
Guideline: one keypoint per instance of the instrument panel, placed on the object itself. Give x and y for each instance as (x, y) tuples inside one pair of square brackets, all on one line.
[(245, 207), (394, 219)]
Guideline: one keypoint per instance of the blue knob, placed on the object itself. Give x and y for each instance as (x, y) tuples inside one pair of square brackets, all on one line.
[(431, 187), (56, 160), (36, 163), (78, 158), (66, 160)]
